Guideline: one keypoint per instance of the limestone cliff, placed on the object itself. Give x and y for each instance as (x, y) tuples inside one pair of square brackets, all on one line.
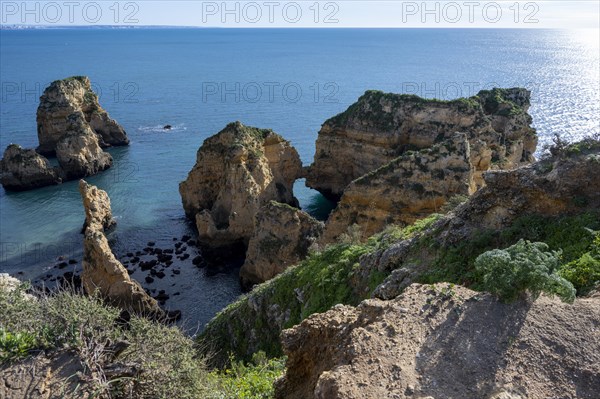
[(74, 95), (381, 126), (22, 169), (102, 272), (555, 200), (408, 188), (78, 150), (444, 342), (237, 171), (281, 239)]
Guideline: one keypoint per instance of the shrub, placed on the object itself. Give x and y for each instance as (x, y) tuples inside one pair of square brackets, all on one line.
[(524, 266), (15, 345), (584, 272), (245, 381)]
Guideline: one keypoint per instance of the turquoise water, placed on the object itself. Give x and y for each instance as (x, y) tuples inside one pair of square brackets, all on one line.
[(198, 80)]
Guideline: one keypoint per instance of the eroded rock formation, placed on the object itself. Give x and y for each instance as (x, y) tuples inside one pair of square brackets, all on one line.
[(78, 150), (102, 272), (74, 95), (281, 239), (379, 127), (72, 125), (237, 171), (442, 342), (408, 188), (22, 169)]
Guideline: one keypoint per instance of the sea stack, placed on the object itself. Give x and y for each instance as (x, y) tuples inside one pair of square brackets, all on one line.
[(380, 127), (102, 272), (74, 95), (237, 171)]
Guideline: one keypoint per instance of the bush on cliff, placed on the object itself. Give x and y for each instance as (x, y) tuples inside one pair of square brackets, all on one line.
[(167, 359), (523, 267), (584, 272)]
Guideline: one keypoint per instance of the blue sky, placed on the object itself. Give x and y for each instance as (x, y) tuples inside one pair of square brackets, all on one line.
[(311, 13)]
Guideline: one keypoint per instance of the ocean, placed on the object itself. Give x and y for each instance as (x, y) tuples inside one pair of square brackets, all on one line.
[(198, 80)]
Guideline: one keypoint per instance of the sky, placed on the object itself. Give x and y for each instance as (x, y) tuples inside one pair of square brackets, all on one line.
[(306, 13)]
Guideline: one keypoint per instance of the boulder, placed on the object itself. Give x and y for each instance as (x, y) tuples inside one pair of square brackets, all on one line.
[(22, 169), (444, 341), (237, 171), (281, 239), (408, 188), (78, 151), (74, 95), (102, 273), (379, 127)]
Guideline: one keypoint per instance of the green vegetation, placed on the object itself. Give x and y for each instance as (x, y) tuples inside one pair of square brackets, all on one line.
[(456, 263), (319, 282), (169, 362), (584, 272), (370, 107), (15, 345), (523, 267), (246, 381)]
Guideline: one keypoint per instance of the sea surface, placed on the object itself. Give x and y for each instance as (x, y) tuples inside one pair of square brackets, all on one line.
[(198, 80)]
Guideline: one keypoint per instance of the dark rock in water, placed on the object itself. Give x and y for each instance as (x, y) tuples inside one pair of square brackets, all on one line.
[(158, 251), (164, 258), (148, 265), (185, 238), (149, 279), (138, 253), (178, 245), (184, 256), (192, 243), (62, 265), (130, 254), (72, 261), (167, 127), (160, 274), (197, 261), (176, 294), (148, 250), (175, 238), (168, 251), (135, 259), (176, 271), (178, 252), (184, 248), (162, 296), (168, 263), (61, 258), (151, 243), (129, 271)]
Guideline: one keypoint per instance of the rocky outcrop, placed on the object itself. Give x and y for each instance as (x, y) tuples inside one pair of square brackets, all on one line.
[(237, 171), (408, 188), (560, 193), (445, 342), (561, 185), (22, 169), (68, 96), (281, 239), (78, 150), (102, 273), (379, 127), (72, 125)]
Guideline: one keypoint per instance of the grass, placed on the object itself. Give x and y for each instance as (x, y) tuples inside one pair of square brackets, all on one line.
[(569, 234), (166, 362), (326, 278)]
